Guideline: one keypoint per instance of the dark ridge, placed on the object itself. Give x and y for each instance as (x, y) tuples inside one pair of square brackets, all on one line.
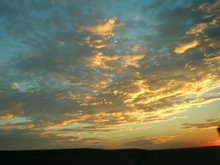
[(87, 156)]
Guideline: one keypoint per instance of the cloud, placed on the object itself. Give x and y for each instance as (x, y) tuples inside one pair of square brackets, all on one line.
[(81, 69), (182, 48), (23, 139), (98, 35), (211, 123), (210, 9), (199, 28), (96, 43), (100, 60), (6, 116), (103, 28), (113, 62), (96, 122), (144, 142)]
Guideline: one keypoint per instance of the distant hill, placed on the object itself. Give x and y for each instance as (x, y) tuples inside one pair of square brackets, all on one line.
[(188, 156)]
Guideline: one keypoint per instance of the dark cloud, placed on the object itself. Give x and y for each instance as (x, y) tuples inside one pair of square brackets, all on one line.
[(22, 139), (208, 124)]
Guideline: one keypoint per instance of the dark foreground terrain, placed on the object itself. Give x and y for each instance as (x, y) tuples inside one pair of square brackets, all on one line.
[(190, 156)]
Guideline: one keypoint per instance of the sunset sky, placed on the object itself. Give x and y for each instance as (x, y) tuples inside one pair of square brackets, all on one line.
[(109, 74)]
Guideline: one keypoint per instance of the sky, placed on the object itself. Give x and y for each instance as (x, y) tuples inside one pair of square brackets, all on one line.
[(109, 74)]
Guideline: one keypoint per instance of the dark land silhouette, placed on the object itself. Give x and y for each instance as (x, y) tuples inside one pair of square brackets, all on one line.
[(188, 156)]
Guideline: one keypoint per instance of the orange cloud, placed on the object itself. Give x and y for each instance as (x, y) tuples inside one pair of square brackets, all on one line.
[(6, 116)]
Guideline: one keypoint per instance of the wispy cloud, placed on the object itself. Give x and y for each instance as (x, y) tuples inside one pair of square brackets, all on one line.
[(144, 142), (211, 123)]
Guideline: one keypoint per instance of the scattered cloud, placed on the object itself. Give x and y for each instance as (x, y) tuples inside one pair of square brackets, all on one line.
[(84, 68)]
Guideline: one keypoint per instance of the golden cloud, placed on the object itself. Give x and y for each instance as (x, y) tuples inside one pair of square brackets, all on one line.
[(95, 43), (98, 59), (102, 28), (131, 60), (112, 62), (199, 28), (182, 48)]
